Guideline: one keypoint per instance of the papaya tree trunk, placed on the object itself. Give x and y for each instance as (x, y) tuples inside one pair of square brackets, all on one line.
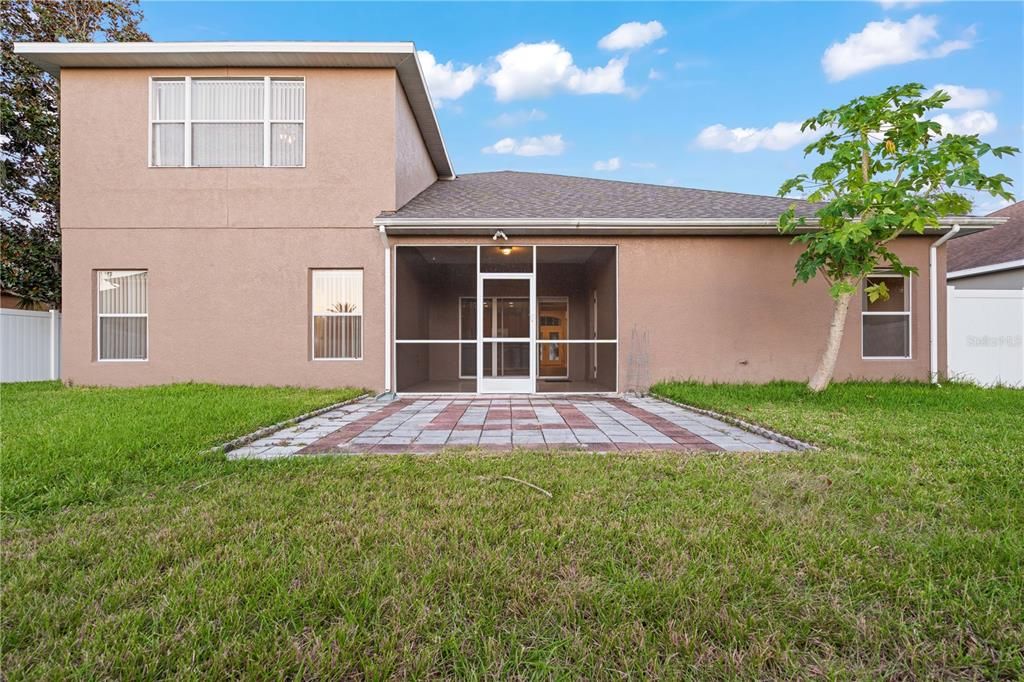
[(827, 366)]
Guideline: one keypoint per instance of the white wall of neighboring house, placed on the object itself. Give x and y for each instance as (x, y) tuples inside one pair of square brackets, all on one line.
[(29, 345), (986, 327)]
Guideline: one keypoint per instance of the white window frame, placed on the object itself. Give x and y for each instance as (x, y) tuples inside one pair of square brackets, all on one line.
[(313, 315), (908, 286), (100, 316), (187, 121)]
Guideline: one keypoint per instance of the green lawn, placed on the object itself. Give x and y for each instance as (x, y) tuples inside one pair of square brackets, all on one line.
[(895, 551)]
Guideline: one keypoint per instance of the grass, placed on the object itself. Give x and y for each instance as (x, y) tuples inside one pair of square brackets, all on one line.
[(66, 446), (895, 551)]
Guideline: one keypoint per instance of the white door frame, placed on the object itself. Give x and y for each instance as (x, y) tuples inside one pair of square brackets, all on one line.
[(485, 384)]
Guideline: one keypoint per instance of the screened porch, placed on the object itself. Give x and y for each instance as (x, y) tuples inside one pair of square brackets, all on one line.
[(505, 318)]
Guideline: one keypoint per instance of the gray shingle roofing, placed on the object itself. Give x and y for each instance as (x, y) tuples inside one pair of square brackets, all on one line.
[(999, 245), (512, 195)]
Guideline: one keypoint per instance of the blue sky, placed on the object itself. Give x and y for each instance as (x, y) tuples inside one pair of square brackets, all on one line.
[(691, 94)]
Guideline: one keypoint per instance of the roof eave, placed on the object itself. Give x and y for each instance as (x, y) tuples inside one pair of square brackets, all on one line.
[(986, 269), (591, 226)]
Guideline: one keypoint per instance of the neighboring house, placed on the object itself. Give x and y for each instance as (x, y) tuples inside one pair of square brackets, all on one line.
[(986, 302), (286, 213), (12, 301)]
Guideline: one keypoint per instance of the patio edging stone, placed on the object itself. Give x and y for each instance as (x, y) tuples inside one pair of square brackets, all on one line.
[(236, 443), (745, 425)]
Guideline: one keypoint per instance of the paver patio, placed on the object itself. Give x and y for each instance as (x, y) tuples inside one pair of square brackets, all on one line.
[(427, 424)]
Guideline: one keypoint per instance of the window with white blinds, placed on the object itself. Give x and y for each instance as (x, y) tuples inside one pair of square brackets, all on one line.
[(122, 307), (337, 314), (228, 122)]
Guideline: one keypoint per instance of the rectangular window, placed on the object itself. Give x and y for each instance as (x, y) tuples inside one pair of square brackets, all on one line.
[(337, 314), (885, 325), (228, 122), (122, 307)]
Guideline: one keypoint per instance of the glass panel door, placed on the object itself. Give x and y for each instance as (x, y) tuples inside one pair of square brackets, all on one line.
[(505, 318)]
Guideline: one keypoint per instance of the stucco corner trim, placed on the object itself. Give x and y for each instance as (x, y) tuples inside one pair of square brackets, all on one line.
[(745, 425), (273, 428)]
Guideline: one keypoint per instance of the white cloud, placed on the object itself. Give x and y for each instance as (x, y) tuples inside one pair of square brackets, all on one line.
[(782, 135), (902, 4), (444, 80), (963, 97), (540, 69), (882, 43), (632, 35), (948, 47), (545, 145), (975, 122), (512, 119), (655, 75), (612, 164)]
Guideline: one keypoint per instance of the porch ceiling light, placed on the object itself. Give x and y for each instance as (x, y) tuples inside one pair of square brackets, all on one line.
[(506, 250)]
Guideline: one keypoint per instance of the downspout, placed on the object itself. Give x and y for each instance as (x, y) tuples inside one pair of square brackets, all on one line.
[(933, 302), (387, 308)]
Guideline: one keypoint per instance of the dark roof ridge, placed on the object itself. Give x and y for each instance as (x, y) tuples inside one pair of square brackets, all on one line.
[(634, 182)]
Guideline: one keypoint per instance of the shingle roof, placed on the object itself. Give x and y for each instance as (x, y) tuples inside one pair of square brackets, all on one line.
[(998, 245), (516, 195)]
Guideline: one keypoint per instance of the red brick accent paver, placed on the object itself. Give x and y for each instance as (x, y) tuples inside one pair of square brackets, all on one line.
[(330, 442), (574, 418), (502, 415), (675, 432)]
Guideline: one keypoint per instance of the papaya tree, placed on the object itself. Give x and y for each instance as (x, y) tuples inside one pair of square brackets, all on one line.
[(888, 171)]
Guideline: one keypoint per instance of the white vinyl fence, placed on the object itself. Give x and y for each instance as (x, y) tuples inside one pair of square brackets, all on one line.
[(985, 336), (29, 345)]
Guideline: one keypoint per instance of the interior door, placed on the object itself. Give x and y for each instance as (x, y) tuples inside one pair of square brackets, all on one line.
[(553, 325), (505, 318)]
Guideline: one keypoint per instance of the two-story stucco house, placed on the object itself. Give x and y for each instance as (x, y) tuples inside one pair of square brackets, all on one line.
[(287, 213)]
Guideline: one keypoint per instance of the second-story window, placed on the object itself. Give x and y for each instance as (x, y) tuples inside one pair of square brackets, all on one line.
[(228, 122)]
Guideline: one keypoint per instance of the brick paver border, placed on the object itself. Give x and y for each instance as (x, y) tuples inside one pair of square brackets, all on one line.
[(428, 424)]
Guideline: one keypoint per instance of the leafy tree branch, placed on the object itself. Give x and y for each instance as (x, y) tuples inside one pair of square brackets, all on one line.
[(29, 101)]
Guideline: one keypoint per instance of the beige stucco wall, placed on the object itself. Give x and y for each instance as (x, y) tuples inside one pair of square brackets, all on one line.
[(414, 171), (730, 313), (225, 305), (229, 253), (229, 250), (349, 176), (724, 309), (232, 306)]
